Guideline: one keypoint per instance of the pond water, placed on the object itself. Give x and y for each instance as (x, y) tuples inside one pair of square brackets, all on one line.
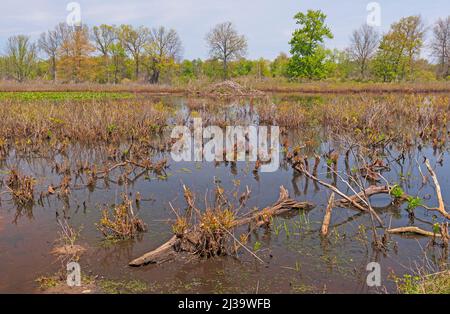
[(296, 258)]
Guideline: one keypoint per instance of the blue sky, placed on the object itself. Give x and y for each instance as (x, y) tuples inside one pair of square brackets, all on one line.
[(267, 24)]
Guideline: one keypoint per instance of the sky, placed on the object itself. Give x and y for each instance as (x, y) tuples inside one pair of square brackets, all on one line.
[(267, 24)]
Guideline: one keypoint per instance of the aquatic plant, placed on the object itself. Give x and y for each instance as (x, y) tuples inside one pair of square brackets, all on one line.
[(21, 187), (122, 223)]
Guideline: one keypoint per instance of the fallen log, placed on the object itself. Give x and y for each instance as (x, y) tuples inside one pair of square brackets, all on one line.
[(189, 241), (415, 230), (370, 191)]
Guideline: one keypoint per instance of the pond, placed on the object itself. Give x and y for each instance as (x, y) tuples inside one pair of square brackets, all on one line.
[(296, 258)]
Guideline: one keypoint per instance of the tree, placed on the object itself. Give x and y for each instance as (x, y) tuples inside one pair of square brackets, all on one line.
[(21, 57), (341, 65), (364, 43), (50, 43), (225, 44), (134, 41), (118, 57), (163, 49), (75, 61), (399, 49), (308, 54), (260, 68), (440, 46), (279, 66), (104, 37)]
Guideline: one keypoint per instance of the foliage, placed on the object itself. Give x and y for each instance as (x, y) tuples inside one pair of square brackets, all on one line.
[(438, 283), (308, 54), (120, 54), (21, 57), (414, 202), (123, 224), (397, 191), (399, 49)]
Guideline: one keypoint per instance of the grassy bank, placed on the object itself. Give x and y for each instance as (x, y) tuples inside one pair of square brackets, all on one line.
[(336, 88), (268, 86)]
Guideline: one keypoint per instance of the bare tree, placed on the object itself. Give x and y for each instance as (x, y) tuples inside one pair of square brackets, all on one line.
[(225, 44), (164, 46), (63, 32), (134, 40), (49, 43), (440, 46), (364, 43), (21, 54), (104, 37)]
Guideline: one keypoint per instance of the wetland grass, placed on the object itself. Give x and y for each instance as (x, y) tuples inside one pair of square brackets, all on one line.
[(365, 136)]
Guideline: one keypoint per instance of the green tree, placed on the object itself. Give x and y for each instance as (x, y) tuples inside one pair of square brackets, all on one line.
[(163, 50), (308, 54), (117, 66), (21, 57), (260, 68), (104, 37), (241, 67), (134, 41), (341, 65), (279, 66), (399, 50)]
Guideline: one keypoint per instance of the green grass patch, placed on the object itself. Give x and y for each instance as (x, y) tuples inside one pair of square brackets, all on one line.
[(122, 287), (438, 283)]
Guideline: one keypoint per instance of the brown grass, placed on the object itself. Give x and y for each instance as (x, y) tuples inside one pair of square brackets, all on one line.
[(266, 85), (21, 188), (349, 87), (122, 223), (84, 121)]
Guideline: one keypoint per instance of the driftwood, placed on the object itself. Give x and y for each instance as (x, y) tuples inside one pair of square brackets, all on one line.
[(441, 208), (187, 242), (370, 191), (415, 230), (327, 217)]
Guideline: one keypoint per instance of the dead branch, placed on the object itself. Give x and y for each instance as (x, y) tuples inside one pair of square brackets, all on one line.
[(187, 241), (327, 217), (351, 201), (370, 191), (415, 230), (441, 208)]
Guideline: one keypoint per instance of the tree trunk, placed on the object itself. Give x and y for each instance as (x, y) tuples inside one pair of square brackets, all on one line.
[(136, 72), (225, 69)]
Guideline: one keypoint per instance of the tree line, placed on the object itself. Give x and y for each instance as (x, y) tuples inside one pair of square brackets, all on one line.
[(118, 54)]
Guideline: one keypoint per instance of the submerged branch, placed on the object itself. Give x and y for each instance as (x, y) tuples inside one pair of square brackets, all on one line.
[(188, 241)]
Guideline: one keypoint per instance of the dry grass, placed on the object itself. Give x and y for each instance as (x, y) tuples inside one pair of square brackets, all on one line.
[(10, 86), (122, 223), (42, 122), (266, 85), (277, 86), (365, 118), (21, 188)]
